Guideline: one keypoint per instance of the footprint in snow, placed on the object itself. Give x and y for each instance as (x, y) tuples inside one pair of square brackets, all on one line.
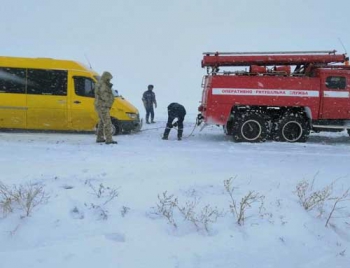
[(67, 187), (77, 214), (115, 237)]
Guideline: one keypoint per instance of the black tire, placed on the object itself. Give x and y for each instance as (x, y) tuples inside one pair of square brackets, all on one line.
[(292, 127), (228, 128), (250, 127), (349, 132), (116, 128)]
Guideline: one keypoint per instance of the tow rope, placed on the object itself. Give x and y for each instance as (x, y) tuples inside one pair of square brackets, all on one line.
[(191, 134), (141, 130), (186, 137)]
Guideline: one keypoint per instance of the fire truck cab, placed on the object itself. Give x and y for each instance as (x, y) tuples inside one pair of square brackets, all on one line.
[(278, 95)]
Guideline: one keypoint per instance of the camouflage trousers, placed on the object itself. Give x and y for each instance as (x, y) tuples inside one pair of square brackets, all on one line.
[(104, 130)]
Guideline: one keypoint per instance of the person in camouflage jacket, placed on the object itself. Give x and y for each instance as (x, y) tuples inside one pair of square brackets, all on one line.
[(104, 99)]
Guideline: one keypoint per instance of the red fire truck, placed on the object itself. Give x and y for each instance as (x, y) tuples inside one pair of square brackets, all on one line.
[(279, 95)]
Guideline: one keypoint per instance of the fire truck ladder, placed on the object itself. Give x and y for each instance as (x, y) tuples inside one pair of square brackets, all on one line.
[(271, 52), (215, 60)]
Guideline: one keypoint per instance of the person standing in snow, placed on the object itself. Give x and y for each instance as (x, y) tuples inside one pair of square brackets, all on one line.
[(148, 99), (104, 99), (175, 110)]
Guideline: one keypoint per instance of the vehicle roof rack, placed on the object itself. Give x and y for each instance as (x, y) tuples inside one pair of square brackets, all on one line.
[(270, 53), (218, 59)]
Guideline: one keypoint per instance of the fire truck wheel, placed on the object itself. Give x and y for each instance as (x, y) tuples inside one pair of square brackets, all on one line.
[(250, 128), (292, 128), (228, 128)]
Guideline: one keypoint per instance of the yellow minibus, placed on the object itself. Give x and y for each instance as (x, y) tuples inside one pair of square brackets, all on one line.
[(50, 94)]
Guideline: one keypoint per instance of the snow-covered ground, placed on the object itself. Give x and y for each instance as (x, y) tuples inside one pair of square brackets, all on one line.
[(75, 229)]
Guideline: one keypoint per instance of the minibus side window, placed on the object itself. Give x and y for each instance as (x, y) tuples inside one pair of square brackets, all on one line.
[(47, 82), (84, 86), (12, 80)]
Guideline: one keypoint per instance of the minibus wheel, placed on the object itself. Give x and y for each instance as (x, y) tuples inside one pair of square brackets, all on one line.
[(116, 128)]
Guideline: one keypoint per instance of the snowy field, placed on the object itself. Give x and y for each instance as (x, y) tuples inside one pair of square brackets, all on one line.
[(78, 226)]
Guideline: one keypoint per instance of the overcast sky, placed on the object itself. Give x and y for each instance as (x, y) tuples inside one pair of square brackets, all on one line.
[(161, 42)]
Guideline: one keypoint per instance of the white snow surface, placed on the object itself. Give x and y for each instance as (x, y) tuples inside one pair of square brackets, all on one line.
[(67, 232)]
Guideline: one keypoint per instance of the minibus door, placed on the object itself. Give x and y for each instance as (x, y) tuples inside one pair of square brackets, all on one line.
[(82, 112)]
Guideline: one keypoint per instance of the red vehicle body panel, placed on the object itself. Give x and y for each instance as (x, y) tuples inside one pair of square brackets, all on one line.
[(335, 103), (221, 93)]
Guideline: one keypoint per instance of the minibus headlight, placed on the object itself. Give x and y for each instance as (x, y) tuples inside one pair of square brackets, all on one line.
[(132, 115)]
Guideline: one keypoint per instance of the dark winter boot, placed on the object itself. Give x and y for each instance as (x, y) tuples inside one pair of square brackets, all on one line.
[(179, 134), (111, 142), (166, 133)]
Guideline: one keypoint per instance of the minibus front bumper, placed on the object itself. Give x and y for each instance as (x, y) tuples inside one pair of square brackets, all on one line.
[(130, 125)]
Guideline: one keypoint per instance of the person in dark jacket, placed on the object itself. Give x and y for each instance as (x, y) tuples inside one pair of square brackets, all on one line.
[(175, 110), (148, 99)]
